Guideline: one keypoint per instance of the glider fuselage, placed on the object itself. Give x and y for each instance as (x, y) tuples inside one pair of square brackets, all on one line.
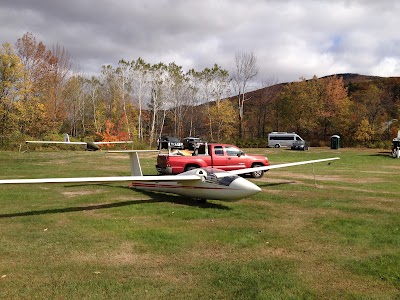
[(214, 184)]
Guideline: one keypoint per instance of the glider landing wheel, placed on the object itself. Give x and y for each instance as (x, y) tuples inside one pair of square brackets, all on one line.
[(201, 200)]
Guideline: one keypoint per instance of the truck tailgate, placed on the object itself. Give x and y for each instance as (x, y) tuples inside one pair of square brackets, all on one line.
[(163, 165)]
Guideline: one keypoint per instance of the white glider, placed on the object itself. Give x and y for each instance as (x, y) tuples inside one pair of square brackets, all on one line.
[(202, 183), (91, 146)]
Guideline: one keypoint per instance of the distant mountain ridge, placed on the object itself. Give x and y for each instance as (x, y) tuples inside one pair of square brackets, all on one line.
[(349, 79)]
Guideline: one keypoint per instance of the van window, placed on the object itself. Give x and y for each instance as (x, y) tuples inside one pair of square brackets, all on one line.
[(282, 137)]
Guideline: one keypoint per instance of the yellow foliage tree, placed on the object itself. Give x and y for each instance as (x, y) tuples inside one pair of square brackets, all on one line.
[(298, 105), (222, 117), (364, 132), (13, 89)]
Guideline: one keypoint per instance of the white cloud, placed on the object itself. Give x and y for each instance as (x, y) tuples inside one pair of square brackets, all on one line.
[(388, 66), (290, 38)]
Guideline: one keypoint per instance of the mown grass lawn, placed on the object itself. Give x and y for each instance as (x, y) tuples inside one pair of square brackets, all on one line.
[(315, 232)]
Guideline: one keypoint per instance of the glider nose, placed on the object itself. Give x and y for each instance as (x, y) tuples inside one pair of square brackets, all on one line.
[(244, 188)]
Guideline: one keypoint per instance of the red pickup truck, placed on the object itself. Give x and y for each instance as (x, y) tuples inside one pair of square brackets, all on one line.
[(220, 156)]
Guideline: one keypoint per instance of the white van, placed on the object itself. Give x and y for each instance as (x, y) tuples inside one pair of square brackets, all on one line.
[(282, 139)]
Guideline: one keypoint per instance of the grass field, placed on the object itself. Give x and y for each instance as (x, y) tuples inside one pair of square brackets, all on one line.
[(315, 232)]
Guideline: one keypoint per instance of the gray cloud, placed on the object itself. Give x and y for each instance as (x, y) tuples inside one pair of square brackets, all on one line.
[(290, 38)]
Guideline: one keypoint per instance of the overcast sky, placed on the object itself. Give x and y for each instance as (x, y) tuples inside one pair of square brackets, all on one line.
[(291, 39)]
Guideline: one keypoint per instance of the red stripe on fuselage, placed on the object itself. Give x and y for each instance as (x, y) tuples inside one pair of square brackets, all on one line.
[(169, 186)]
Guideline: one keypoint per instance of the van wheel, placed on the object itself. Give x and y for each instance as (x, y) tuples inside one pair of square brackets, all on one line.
[(257, 174), (277, 146)]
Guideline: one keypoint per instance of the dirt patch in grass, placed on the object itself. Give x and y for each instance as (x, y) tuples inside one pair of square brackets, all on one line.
[(394, 167), (327, 177), (69, 194), (333, 282), (378, 200), (144, 155), (362, 190), (378, 172), (160, 268), (119, 156), (379, 203), (124, 255)]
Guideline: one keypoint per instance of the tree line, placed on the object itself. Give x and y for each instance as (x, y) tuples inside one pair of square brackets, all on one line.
[(42, 98), (363, 110)]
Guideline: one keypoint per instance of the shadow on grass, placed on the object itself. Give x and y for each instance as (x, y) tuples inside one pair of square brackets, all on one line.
[(382, 153), (183, 200), (155, 198), (266, 185)]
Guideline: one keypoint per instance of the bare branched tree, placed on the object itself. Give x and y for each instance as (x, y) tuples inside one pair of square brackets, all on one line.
[(270, 87), (245, 70)]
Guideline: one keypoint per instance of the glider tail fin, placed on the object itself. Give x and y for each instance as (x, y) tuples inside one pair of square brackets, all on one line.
[(136, 169), (66, 138)]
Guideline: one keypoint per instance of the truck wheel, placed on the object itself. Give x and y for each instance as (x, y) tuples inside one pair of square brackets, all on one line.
[(257, 174), (188, 168), (277, 146)]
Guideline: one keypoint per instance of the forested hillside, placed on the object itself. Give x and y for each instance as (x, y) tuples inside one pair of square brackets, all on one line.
[(364, 110), (42, 98)]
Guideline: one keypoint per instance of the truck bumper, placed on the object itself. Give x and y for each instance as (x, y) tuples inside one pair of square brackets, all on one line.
[(164, 171)]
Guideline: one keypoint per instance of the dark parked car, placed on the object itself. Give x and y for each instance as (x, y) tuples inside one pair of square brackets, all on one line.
[(396, 148), (173, 142), (299, 145), (191, 143)]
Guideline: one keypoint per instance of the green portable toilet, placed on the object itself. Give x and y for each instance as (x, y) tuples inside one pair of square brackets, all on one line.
[(335, 141)]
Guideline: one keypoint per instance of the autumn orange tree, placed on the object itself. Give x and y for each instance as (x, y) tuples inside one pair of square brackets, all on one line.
[(111, 133), (48, 71), (333, 115), (111, 107)]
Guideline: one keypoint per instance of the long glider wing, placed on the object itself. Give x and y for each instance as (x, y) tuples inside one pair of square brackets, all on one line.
[(55, 142), (116, 142), (78, 143), (265, 168), (176, 178)]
